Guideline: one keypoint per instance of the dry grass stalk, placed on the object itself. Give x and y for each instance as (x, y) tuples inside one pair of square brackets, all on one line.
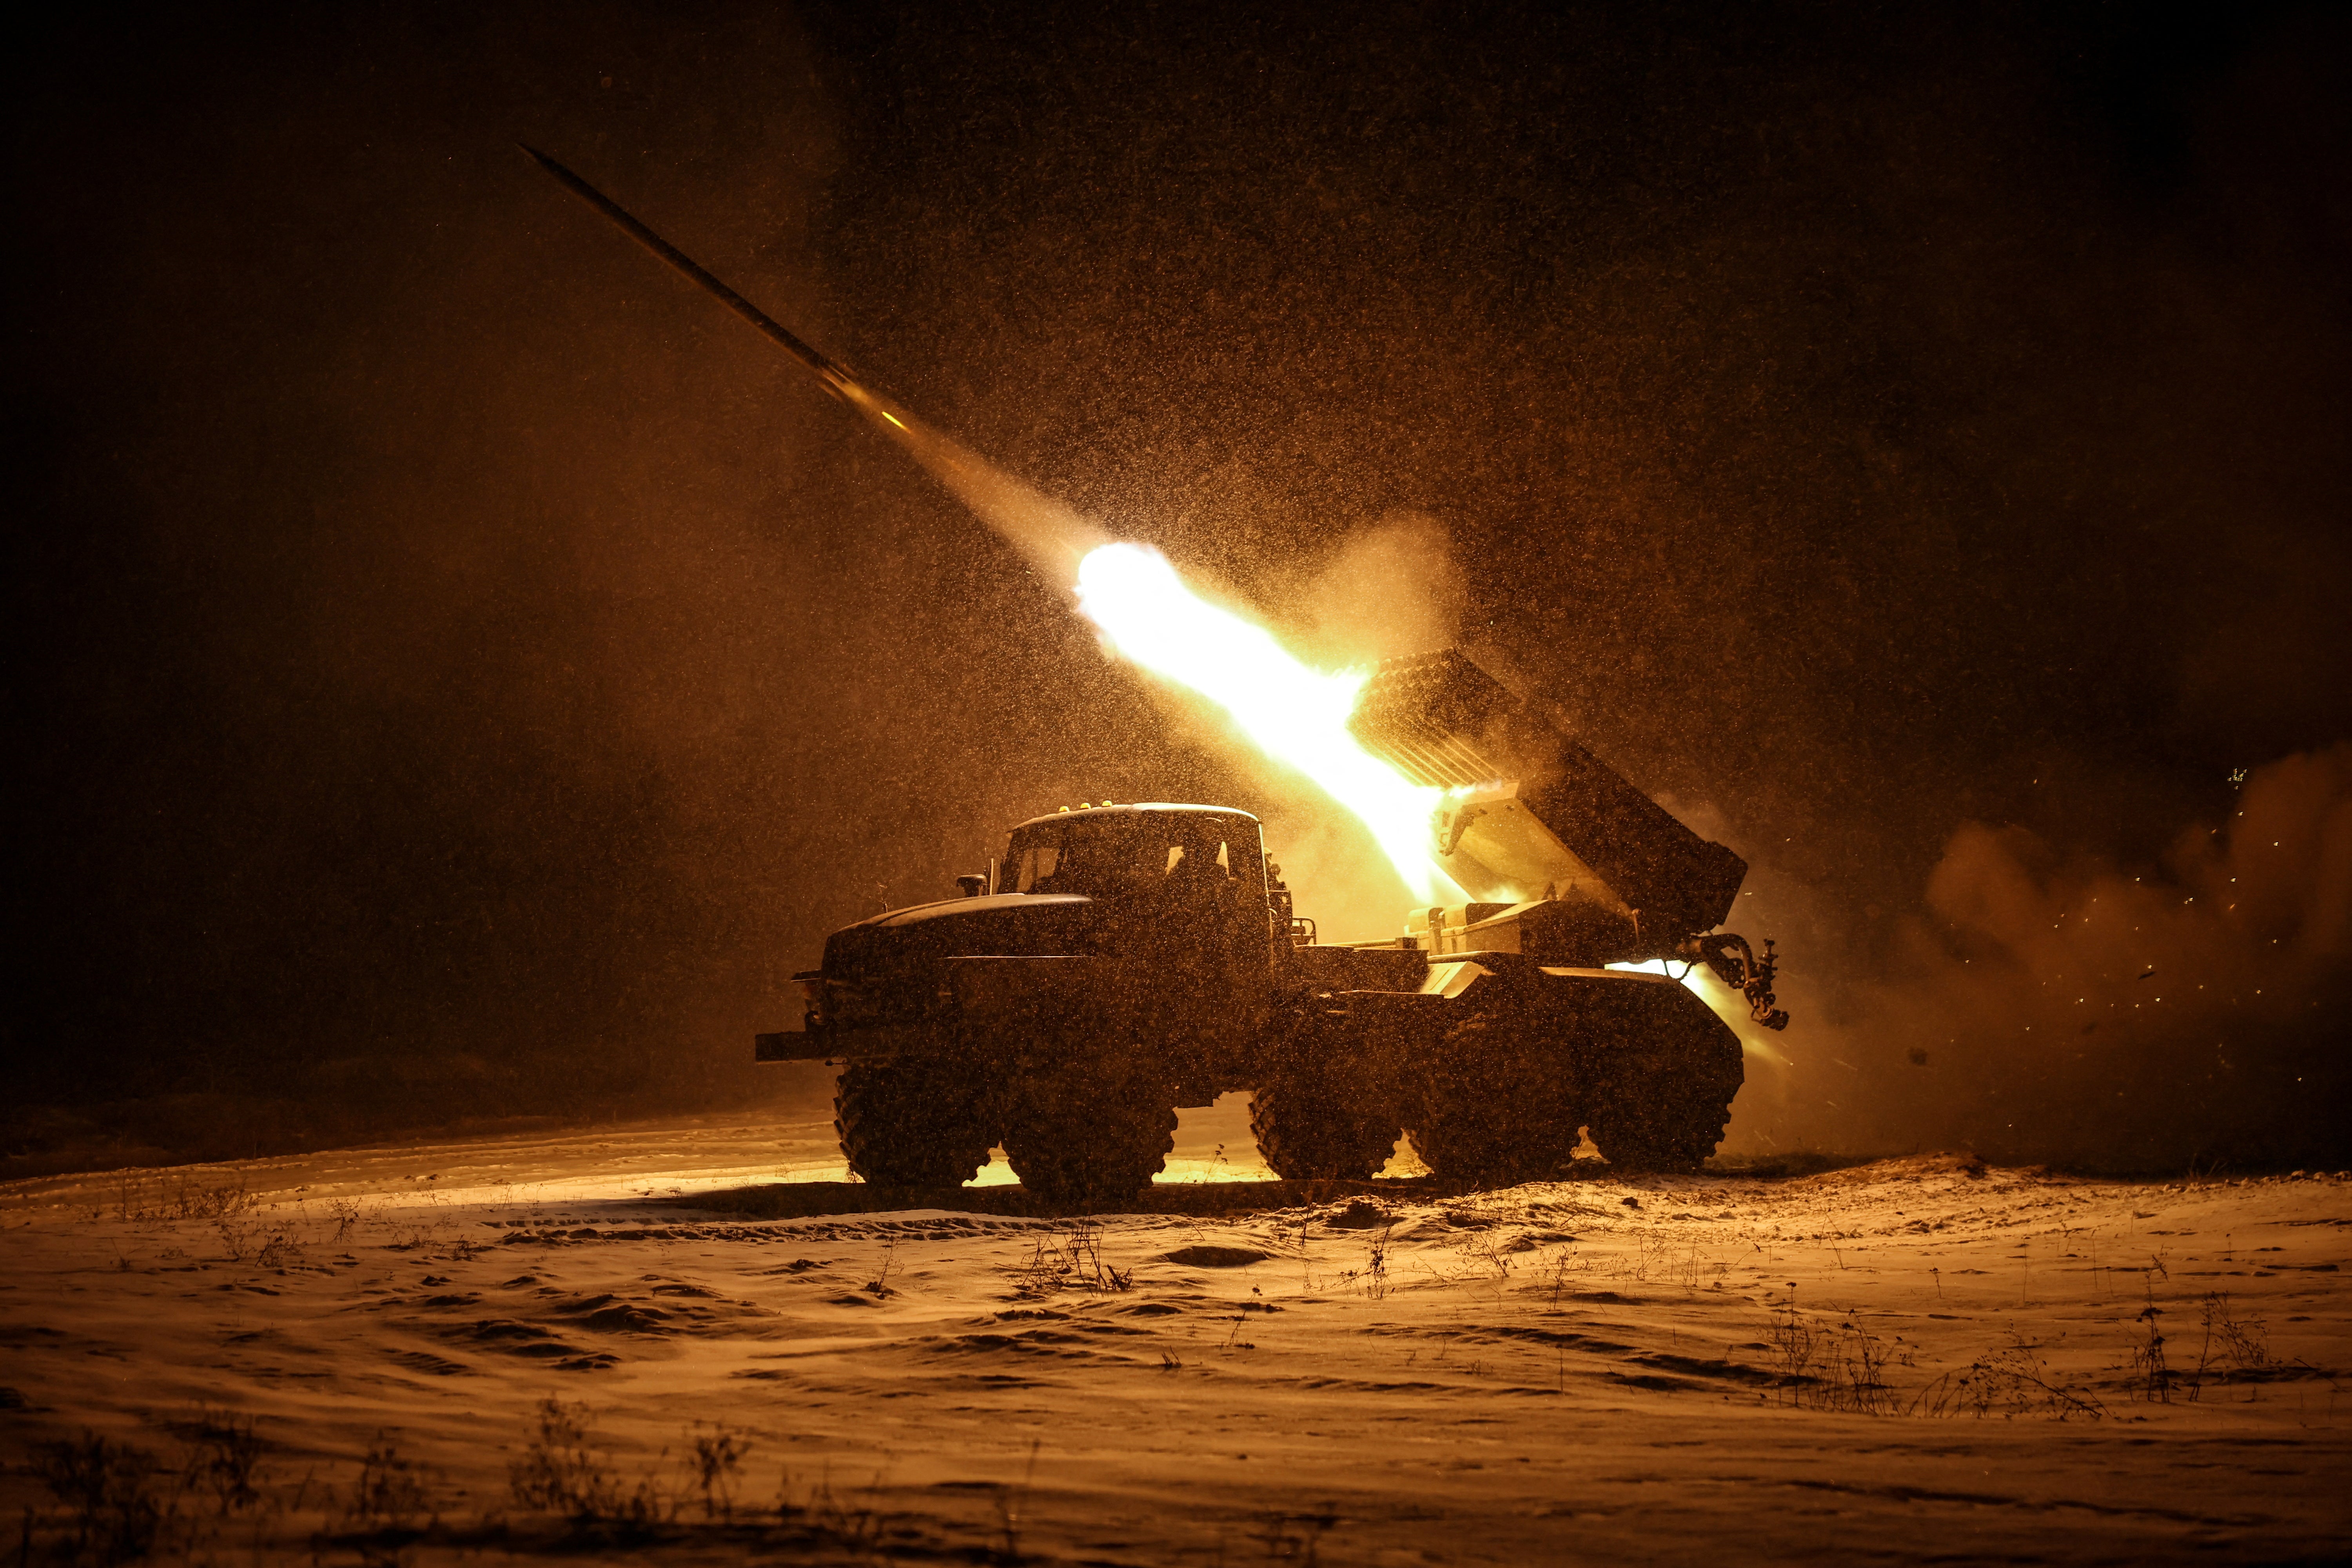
[(390, 1492), (2232, 1350), (2151, 1376), (1069, 1258), (2012, 1381), (714, 1458)]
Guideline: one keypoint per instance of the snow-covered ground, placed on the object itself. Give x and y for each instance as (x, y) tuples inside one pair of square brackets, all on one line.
[(1913, 1360)]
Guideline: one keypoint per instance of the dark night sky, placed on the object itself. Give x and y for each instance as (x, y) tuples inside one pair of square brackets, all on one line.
[(437, 635)]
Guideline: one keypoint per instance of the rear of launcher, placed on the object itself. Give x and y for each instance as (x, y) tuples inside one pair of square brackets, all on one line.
[(1567, 865), (1493, 1030)]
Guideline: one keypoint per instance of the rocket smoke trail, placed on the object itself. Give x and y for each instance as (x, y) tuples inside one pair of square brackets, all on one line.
[(1052, 534), (1142, 608)]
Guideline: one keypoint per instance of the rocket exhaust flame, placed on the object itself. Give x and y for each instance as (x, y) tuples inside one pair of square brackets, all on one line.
[(1296, 714), (1293, 713)]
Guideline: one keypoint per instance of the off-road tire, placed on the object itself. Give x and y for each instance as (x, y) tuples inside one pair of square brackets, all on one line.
[(1499, 1098), (1087, 1136), (1312, 1127), (912, 1122), (1661, 1094), (1664, 1125), (1663, 1138)]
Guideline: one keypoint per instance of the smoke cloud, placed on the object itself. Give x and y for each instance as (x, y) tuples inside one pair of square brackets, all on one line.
[(1391, 589), (2048, 1006), (1053, 536)]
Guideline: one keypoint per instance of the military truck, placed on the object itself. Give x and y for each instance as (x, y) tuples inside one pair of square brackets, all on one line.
[(1119, 961)]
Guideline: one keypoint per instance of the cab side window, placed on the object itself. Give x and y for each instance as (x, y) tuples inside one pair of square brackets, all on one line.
[(1038, 863)]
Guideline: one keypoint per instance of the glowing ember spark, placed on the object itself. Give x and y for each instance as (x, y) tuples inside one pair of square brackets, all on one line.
[(1293, 713)]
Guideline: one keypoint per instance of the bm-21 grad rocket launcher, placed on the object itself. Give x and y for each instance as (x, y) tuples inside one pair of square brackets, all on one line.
[(1119, 961)]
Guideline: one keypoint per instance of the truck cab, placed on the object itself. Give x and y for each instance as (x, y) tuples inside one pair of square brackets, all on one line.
[(1155, 907)]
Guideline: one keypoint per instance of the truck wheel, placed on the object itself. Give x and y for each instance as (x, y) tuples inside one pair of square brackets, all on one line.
[(1660, 1138), (1662, 1092), (1498, 1105), (1662, 1126), (1087, 1136), (1310, 1129), (912, 1122)]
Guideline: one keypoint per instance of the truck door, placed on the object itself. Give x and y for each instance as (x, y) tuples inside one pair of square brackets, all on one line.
[(1217, 878)]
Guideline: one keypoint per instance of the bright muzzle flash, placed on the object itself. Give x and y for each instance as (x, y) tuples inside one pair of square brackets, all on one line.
[(1293, 713)]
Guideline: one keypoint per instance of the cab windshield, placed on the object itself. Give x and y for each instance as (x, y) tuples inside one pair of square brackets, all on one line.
[(1120, 853)]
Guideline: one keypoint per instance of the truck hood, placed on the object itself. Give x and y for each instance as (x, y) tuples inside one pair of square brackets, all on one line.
[(1017, 924)]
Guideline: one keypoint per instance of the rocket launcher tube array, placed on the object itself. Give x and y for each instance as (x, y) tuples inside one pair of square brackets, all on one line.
[(1528, 807)]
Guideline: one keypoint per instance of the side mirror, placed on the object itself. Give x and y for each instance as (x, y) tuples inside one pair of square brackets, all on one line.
[(973, 887)]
